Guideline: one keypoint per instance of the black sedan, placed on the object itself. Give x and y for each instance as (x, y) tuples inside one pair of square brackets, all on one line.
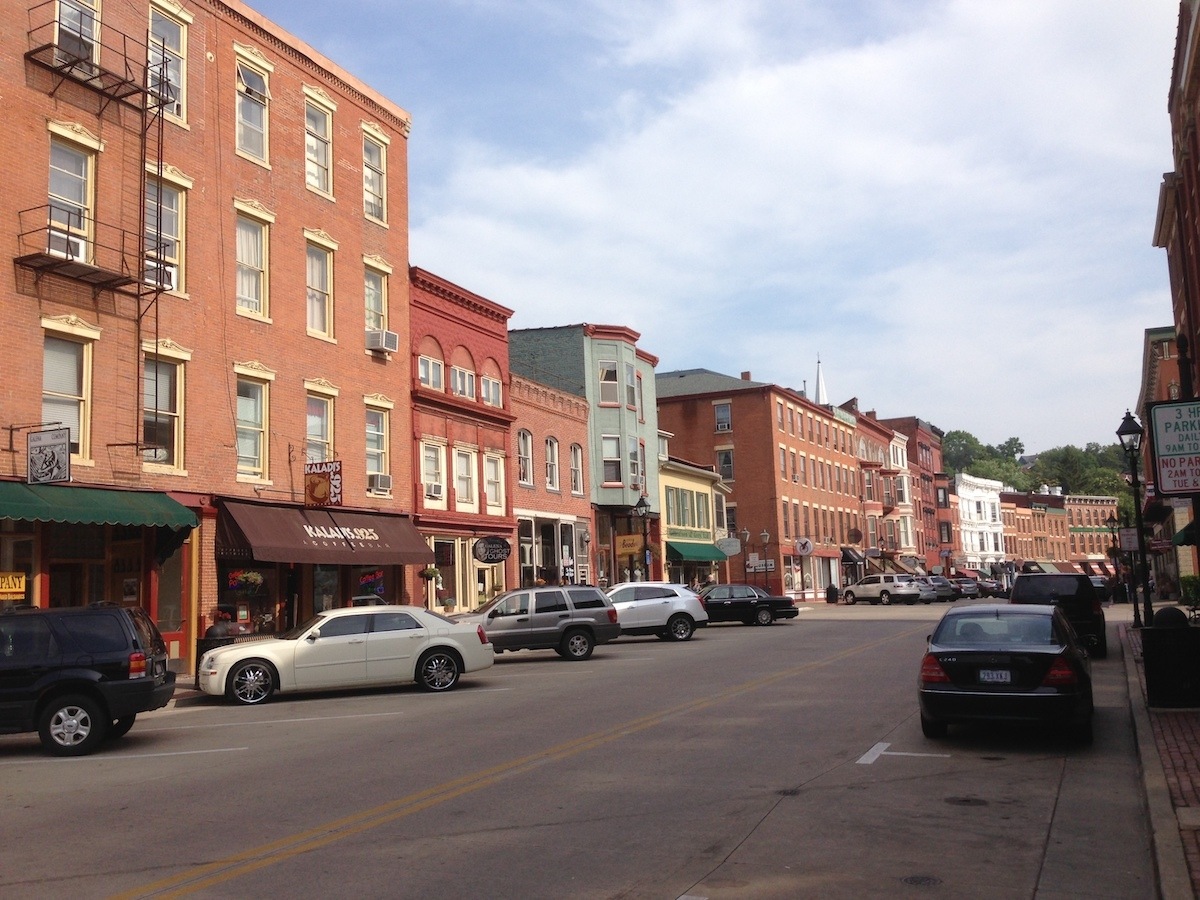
[(745, 603), (1002, 663)]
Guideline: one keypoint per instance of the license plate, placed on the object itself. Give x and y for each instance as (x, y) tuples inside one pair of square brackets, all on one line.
[(995, 676)]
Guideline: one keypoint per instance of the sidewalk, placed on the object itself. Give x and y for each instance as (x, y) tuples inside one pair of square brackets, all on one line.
[(1168, 743)]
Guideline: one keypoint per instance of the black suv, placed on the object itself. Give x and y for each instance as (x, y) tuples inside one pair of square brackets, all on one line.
[(80, 675), (1075, 595)]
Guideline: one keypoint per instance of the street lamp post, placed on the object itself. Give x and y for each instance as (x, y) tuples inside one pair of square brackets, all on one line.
[(765, 537), (641, 508), (1114, 555), (1130, 435), (746, 555)]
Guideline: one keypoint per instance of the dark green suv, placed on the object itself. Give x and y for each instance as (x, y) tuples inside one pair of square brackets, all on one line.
[(80, 675), (1075, 595)]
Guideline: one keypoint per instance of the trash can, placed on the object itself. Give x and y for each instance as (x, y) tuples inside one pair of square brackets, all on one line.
[(1171, 657), (831, 593)]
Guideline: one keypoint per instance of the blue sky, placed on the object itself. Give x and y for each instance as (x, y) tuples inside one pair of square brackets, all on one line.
[(950, 202)]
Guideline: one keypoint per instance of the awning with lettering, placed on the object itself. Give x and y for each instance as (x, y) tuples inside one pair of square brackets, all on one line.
[(329, 536), (678, 551)]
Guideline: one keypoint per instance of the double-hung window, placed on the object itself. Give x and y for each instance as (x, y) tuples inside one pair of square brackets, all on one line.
[(464, 480), (377, 441), (491, 391), (525, 457), (493, 473), (318, 142), (429, 372), (576, 469), (630, 386), (253, 95), (551, 464), (252, 400), (319, 286), (251, 255), (375, 298), (319, 428), (375, 176), (162, 412), (164, 235), (610, 390), (71, 173), (78, 35), (610, 452), (432, 472), (66, 389), (725, 464), (167, 60)]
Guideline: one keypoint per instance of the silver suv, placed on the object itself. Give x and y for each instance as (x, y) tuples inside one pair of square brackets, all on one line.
[(669, 611), (883, 589), (569, 620)]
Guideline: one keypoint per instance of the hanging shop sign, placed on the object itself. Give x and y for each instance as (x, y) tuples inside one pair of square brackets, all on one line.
[(491, 549), (323, 483), (49, 455), (12, 585)]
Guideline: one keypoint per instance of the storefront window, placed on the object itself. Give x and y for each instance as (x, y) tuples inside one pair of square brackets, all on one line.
[(326, 591), (170, 594), (247, 602), (369, 582)]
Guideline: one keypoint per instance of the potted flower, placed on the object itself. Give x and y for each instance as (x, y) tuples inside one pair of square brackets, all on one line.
[(429, 573)]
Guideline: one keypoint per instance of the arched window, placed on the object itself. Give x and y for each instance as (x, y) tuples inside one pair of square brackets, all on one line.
[(524, 457), (576, 469), (552, 464)]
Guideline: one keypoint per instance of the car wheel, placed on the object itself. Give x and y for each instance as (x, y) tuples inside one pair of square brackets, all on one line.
[(850, 598), (576, 645), (438, 670), (73, 725), (885, 598), (251, 682), (763, 616), (120, 727), (680, 627), (933, 729)]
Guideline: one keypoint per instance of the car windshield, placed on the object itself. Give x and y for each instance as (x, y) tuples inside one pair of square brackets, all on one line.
[(994, 628)]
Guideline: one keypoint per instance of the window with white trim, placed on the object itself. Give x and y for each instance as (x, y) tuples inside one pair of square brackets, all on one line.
[(525, 457), (253, 94), (433, 472), (491, 391), (319, 286), (374, 179), (319, 428), (318, 147), (464, 480), (552, 464), (576, 469), (610, 388), (630, 386), (429, 372), (493, 473), (77, 40), (167, 62), (462, 382), (375, 298), (66, 389), (610, 454), (252, 432), (251, 255), (377, 441), (164, 235), (162, 412), (71, 198)]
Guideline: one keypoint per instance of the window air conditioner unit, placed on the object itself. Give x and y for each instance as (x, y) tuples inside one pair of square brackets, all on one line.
[(433, 490), (160, 274), (724, 426), (388, 341), (68, 246), (380, 483)]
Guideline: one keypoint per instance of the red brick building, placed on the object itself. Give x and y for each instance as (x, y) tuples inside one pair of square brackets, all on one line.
[(924, 462), (791, 466), (210, 289), (461, 435), (551, 494)]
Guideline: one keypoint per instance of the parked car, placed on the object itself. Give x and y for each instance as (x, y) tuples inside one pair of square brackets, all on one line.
[(968, 588), (987, 586), (569, 620), (746, 603), (1077, 598), (79, 675), (351, 647), (886, 588), (668, 611), (1100, 583), (1005, 663), (945, 589), (928, 591)]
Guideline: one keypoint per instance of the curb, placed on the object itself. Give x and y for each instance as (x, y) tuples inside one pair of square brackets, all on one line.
[(1174, 879)]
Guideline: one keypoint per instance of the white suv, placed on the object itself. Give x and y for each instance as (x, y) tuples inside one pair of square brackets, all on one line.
[(670, 611), (884, 589)]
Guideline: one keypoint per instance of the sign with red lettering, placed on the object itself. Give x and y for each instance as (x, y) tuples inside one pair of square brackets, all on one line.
[(1174, 435)]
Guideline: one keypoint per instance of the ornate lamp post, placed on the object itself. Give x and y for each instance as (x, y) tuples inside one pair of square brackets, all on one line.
[(1130, 435), (745, 555), (765, 537), (1114, 555), (641, 508)]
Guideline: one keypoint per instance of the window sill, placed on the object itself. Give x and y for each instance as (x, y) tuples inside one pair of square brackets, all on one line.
[(251, 314), (321, 336), (247, 478), (161, 469)]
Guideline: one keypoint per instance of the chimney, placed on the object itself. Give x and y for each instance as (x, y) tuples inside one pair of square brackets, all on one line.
[(745, 376)]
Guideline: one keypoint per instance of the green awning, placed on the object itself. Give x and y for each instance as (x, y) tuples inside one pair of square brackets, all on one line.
[(677, 552), (1185, 536), (91, 506)]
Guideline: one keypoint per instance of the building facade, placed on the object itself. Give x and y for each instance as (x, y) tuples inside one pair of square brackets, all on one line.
[(981, 528)]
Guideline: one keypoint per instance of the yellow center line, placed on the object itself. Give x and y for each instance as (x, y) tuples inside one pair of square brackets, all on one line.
[(200, 877)]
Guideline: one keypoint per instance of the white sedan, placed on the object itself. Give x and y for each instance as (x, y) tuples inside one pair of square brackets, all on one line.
[(348, 648)]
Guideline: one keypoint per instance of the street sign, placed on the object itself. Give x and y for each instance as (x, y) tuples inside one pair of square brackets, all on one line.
[(49, 454), (1175, 447), (730, 546)]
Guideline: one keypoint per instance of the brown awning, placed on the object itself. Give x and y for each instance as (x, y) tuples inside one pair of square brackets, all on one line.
[(327, 536)]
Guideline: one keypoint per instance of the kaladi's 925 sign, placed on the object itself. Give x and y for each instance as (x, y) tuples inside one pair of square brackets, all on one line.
[(1175, 447)]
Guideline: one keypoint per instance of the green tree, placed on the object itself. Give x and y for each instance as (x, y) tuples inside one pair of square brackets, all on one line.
[(1005, 471), (959, 450)]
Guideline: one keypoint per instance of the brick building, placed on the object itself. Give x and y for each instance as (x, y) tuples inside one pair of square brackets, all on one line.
[(204, 214), (924, 462), (462, 435)]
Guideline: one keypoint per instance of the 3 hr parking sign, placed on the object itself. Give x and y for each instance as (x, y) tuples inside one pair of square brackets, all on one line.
[(1175, 447)]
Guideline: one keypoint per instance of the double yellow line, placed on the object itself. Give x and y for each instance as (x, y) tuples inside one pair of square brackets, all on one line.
[(201, 877)]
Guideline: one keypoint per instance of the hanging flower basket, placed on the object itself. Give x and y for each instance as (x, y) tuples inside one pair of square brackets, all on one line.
[(429, 573)]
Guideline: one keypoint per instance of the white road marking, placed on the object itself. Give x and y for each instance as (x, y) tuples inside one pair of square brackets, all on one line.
[(116, 756), (271, 722), (881, 749)]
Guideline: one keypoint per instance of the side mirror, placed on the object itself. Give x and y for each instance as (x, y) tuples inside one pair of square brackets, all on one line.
[(313, 635)]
